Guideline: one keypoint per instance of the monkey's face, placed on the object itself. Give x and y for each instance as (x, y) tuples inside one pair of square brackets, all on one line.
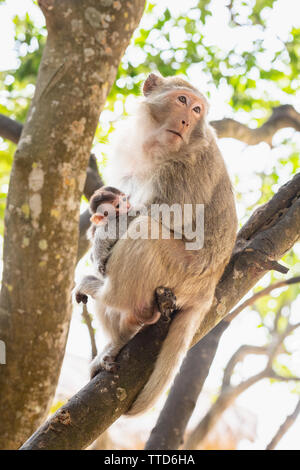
[(181, 113), (177, 113), (111, 208), (121, 204)]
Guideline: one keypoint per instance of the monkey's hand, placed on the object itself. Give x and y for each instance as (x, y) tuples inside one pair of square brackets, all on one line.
[(166, 302), (80, 297)]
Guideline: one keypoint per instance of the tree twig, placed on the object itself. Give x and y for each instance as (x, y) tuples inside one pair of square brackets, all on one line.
[(286, 425), (230, 393), (282, 116), (88, 321), (286, 282), (238, 356)]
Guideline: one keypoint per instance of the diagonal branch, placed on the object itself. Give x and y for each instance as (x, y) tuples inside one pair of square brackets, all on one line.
[(182, 398), (109, 393), (137, 358), (286, 425)]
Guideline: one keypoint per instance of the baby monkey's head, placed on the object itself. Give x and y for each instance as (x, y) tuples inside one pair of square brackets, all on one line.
[(107, 203)]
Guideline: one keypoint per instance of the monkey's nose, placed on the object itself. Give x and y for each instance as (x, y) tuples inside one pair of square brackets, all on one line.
[(184, 123)]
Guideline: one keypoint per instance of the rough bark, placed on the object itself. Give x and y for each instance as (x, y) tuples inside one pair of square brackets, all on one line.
[(11, 130), (86, 41), (244, 270)]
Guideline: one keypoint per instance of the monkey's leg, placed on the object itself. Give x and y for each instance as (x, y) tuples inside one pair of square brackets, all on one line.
[(89, 285), (121, 328)]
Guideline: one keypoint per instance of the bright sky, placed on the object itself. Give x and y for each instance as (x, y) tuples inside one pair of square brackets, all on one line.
[(271, 403)]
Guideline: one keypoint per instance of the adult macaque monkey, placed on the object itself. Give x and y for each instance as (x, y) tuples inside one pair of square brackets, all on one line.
[(167, 155)]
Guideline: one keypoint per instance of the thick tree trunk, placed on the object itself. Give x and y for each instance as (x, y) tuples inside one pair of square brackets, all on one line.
[(85, 43)]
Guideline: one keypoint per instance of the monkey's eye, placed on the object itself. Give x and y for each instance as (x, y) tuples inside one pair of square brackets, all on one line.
[(182, 99), (124, 199), (197, 109)]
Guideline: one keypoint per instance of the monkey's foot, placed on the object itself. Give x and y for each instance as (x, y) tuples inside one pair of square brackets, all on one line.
[(166, 302), (80, 297), (103, 362)]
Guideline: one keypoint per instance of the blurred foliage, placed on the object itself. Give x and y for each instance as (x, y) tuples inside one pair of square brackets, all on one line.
[(56, 406)]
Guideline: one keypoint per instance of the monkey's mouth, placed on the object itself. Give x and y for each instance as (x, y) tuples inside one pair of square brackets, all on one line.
[(175, 132)]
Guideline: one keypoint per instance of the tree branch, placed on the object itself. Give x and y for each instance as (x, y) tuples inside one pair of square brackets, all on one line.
[(10, 129), (269, 241), (227, 397), (87, 317), (286, 282), (286, 425), (106, 393), (282, 116), (238, 356), (240, 275)]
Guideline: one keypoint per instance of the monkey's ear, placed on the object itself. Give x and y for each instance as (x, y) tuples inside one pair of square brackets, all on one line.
[(97, 219), (151, 83)]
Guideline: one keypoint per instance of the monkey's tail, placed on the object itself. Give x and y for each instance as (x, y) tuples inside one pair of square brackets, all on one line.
[(175, 346)]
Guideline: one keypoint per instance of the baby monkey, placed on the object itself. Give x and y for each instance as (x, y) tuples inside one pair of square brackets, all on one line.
[(109, 208)]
